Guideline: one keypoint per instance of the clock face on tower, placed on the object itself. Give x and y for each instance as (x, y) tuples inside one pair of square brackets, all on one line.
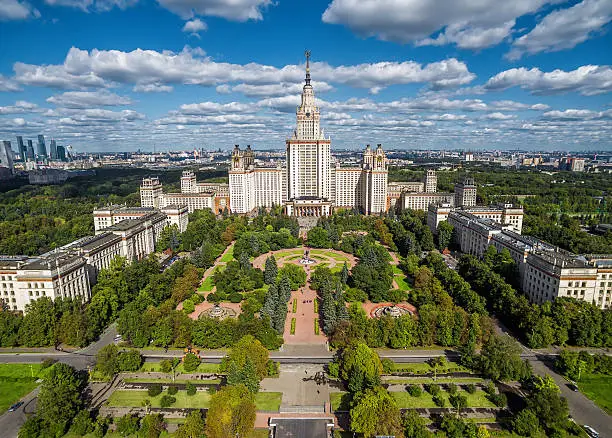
[(307, 114)]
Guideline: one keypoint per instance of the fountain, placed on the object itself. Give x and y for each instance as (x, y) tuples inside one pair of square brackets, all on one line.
[(306, 260), (219, 312), (394, 311)]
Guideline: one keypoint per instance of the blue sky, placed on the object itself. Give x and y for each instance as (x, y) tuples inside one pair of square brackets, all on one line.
[(117, 75)]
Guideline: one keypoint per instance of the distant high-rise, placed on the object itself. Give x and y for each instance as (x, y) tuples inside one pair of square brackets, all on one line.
[(53, 150), (6, 155), (431, 181), (21, 148), (42, 148), (61, 153), (30, 151), (465, 193)]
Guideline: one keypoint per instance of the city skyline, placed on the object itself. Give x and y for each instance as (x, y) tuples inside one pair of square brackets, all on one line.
[(176, 75)]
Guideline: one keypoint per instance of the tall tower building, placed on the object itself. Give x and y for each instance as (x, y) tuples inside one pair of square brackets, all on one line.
[(150, 192), (21, 148), (6, 155), (308, 151), (61, 153), (465, 193), (53, 150), (42, 148), (30, 151), (188, 182), (431, 181)]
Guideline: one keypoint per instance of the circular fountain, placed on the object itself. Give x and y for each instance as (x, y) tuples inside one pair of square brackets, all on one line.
[(394, 311), (219, 312), (306, 260)]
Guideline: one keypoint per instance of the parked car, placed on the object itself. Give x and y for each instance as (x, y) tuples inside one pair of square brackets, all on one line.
[(591, 432), (15, 406), (573, 386)]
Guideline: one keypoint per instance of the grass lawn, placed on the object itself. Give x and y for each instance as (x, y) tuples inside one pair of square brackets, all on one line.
[(410, 380), (405, 400), (16, 381), (422, 367), (397, 270), (292, 326), (340, 401), (228, 256), (336, 269), (401, 282), (268, 401), (598, 388), (204, 367), (169, 381), (207, 284), (128, 398)]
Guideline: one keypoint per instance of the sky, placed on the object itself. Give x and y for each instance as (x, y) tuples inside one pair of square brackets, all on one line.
[(123, 75)]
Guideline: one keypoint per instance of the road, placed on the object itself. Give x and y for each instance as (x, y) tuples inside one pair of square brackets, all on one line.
[(10, 422)]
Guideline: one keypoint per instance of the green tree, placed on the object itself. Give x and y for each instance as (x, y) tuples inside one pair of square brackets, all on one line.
[(193, 427), (435, 363), (550, 408), (318, 238), (107, 360), (458, 401), (247, 375), (445, 235), (414, 425), (500, 359), (375, 412), (151, 426), (231, 413), (128, 425), (191, 362), (130, 360), (295, 274), (270, 270), (38, 325), (344, 274), (526, 423), (248, 348), (361, 366)]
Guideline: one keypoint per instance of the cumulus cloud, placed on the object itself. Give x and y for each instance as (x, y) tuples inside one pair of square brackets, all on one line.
[(499, 116), (466, 23), (17, 10), (235, 10), (96, 68), (275, 90), (152, 88), (564, 28), (215, 107), (21, 106), (93, 5), (194, 26), (88, 99), (587, 80), (7, 84), (577, 114)]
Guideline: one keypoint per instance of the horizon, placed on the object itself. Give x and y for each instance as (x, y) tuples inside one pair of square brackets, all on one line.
[(533, 76)]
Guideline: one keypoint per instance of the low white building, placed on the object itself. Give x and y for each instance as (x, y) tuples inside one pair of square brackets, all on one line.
[(176, 214)]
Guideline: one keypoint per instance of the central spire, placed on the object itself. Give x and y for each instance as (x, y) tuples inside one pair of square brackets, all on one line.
[(307, 54)]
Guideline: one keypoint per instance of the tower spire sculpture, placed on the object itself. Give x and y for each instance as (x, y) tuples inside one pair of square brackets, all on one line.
[(307, 54)]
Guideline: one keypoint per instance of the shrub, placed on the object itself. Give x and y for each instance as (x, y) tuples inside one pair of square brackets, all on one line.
[(46, 363), (155, 389), (191, 362), (333, 369), (388, 366), (471, 388), (498, 400), (414, 390), (489, 388), (235, 297), (165, 366), (451, 388), (172, 390), (188, 306), (190, 388), (433, 389), (167, 401), (214, 298), (272, 368), (439, 400)]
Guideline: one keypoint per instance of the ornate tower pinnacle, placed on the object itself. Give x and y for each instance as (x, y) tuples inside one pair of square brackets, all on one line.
[(307, 54)]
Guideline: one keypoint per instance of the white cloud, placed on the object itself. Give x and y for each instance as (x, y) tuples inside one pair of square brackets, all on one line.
[(205, 108), (17, 10), (276, 90), (499, 116), (190, 66), (7, 84), (223, 89), (152, 88), (194, 26), (88, 99), (587, 80), (468, 24), (21, 106), (235, 10), (93, 5), (564, 28), (577, 114)]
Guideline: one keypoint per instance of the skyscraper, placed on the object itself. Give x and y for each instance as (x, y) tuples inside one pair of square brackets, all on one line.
[(42, 148), (61, 153), (30, 151), (21, 148), (53, 150), (6, 155), (465, 193)]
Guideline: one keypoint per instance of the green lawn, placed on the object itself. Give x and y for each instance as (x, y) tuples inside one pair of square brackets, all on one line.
[(268, 401), (128, 398), (207, 284), (169, 380), (340, 401), (405, 400), (397, 270), (598, 388), (204, 367), (422, 367), (16, 381), (410, 380), (401, 282), (228, 256)]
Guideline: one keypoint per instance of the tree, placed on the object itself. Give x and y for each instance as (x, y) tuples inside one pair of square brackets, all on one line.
[(231, 413), (166, 401), (191, 362), (152, 425), (190, 389), (127, 425), (526, 423), (38, 325), (295, 274), (248, 348), (414, 425), (344, 274), (193, 427), (375, 412), (318, 238), (361, 366), (445, 235), (550, 408), (435, 362), (130, 360), (247, 375), (500, 359), (270, 270), (458, 401), (107, 360), (60, 399), (154, 389)]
